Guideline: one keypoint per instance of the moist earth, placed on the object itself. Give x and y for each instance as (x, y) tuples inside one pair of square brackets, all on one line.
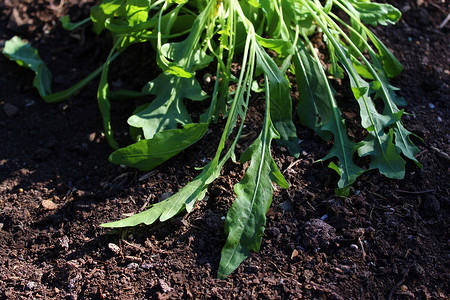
[(388, 240)]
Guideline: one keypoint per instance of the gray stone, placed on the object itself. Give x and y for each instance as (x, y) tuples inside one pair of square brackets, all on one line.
[(10, 110)]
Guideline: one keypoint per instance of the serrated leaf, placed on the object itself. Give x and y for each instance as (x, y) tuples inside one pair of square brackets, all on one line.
[(167, 110), (317, 102), (384, 155), (403, 142), (343, 148), (387, 92), (377, 144), (186, 56)]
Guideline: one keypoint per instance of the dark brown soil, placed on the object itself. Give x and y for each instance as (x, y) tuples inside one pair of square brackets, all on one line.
[(388, 240)]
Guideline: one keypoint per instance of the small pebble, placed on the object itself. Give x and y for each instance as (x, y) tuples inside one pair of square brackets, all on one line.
[(286, 205), (273, 232), (146, 266), (431, 105), (132, 265), (346, 269), (207, 77), (29, 102), (114, 248), (10, 110), (164, 286), (64, 242), (300, 248), (92, 137), (439, 119), (30, 285), (49, 204)]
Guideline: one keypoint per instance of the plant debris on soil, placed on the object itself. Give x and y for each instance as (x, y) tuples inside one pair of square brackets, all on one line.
[(388, 240)]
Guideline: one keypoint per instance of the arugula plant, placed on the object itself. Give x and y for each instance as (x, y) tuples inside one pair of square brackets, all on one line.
[(191, 35)]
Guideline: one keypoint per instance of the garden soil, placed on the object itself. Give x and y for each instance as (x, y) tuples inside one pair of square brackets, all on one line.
[(388, 240)]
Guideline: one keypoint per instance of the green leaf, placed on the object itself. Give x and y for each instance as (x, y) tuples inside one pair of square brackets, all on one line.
[(98, 18), (282, 47), (358, 39), (378, 144), (246, 218), (316, 103), (343, 148), (148, 154), (25, 55), (387, 92), (183, 199), (391, 65), (186, 56), (375, 13), (385, 65), (167, 110), (385, 155), (111, 6), (137, 133), (281, 102), (315, 93), (194, 61), (137, 11), (403, 142)]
